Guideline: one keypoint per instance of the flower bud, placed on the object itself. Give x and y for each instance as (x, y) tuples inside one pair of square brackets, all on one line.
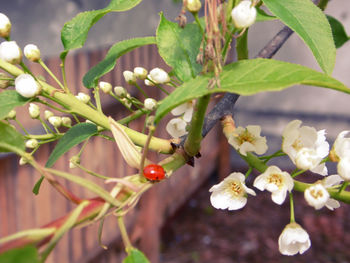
[(32, 52), (48, 114), (129, 76), (32, 143), (55, 121), (83, 97), (193, 5), (244, 14), (159, 76), (140, 72), (5, 26), (4, 80), (34, 111), (126, 102), (148, 81), (120, 91), (10, 52), (150, 104), (23, 161), (73, 161), (26, 85), (11, 115), (105, 87), (66, 121)]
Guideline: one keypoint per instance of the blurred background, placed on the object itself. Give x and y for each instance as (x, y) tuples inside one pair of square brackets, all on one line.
[(191, 231)]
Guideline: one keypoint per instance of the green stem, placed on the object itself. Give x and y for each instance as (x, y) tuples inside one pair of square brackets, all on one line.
[(119, 100), (63, 70), (22, 127), (145, 150), (97, 99), (295, 174), (195, 15), (51, 74), (124, 234), (141, 90), (242, 46), (52, 106), (133, 116), (91, 172), (292, 217), (343, 187)]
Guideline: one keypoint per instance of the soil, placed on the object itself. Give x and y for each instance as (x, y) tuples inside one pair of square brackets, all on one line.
[(200, 233)]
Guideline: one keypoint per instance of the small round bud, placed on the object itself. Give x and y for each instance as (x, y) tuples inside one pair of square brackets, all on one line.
[(4, 80), (140, 72), (5, 26), (32, 143), (150, 104), (83, 97), (26, 85), (10, 52), (23, 161), (48, 114), (105, 86), (32, 52), (159, 76), (11, 115), (148, 81), (244, 14), (73, 161), (193, 5), (55, 121), (129, 76), (34, 111), (67, 122), (126, 102), (120, 91)]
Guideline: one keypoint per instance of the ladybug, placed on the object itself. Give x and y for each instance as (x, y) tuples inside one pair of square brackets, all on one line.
[(154, 172)]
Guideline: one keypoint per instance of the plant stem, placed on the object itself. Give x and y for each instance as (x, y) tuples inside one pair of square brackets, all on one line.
[(97, 99), (124, 234), (145, 150), (292, 217), (51, 74)]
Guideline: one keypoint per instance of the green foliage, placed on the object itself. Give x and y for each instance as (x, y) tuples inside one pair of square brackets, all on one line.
[(10, 139), (179, 47), (248, 77), (136, 256), (310, 23), (9, 99), (37, 185), (261, 16), (116, 51), (72, 137), (338, 31), (27, 254)]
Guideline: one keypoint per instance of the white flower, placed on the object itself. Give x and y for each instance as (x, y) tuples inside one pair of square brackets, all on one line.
[(55, 121), (10, 52), (343, 168), (120, 91), (176, 127), (105, 86), (34, 110), (26, 85), (83, 97), (48, 114), (305, 146), (193, 5), (140, 73), (341, 153), (186, 109), (293, 240), (150, 104), (159, 76), (231, 193), (248, 140), (32, 52), (244, 14), (276, 182), (149, 81), (129, 76), (5, 26), (32, 143)]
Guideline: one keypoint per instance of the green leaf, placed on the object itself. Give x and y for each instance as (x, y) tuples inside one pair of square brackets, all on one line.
[(248, 77), (116, 51), (339, 35), (74, 32), (311, 24), (136, 256), (9, 99), (10, 139), (27, 254), (37, 185), (179, 47), (261, 16), (73, 137)]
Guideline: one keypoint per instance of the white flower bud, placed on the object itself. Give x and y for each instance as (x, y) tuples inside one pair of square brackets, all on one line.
[(4, 81), (73, 161), (159, 76), (32, 52), (120, 91), (10, 52), (105, 86), (83, 97), (32, 143), (11, 115), (66, 121), (244, 14), (140, 72), (48, 114), (23, 161), (293, 240), (34, 111), (148, 82), (55, 121), (129, 76), (126, 102), (193, 5), (26, 85), (150, 104), (5, 26)]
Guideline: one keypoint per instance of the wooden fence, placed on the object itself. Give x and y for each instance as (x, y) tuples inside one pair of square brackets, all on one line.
[(20, 209)]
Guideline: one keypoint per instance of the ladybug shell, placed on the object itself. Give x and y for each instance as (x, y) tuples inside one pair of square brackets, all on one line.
[(154, 172)]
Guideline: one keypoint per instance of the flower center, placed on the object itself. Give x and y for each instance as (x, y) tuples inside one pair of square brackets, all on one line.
[(275, 179), (235, 188), (245, 136), (297, 145), (316, 193)]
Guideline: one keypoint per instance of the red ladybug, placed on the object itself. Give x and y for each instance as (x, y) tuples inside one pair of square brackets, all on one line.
[(154, 172)]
